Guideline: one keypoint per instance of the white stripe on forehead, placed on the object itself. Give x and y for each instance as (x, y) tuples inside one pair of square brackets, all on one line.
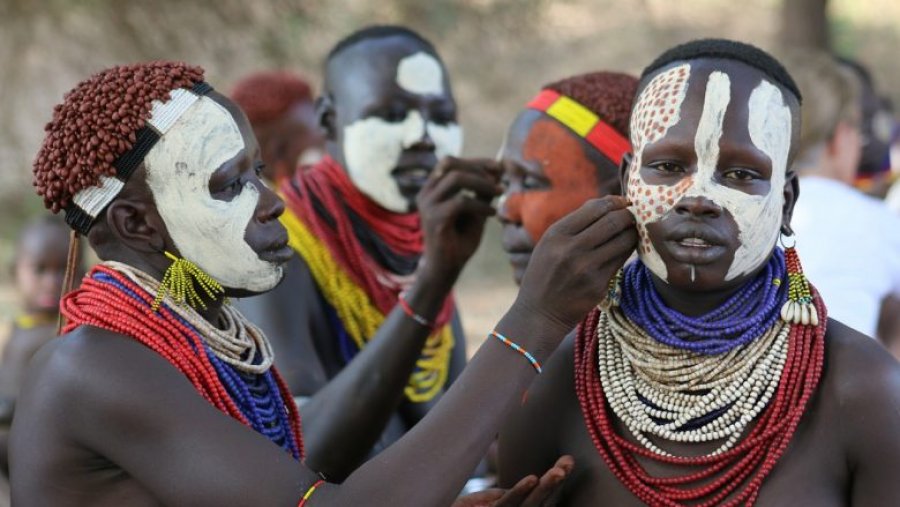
[(757, 216), (421, 74)]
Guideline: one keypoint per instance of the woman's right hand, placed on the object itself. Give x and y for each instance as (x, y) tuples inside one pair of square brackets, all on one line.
[(572, 265)]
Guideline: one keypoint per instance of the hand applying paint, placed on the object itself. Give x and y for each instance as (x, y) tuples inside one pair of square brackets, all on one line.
[(454, 205)]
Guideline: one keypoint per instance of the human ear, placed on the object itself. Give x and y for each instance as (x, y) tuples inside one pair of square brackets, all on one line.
[(325, 116), (136, 225), (623, 172), (791, 194)]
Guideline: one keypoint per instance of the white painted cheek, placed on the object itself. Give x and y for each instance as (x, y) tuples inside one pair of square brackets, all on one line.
[(421, 74), (657, 110), (206, 231), (372, 148), (448, 139), (769, 125)]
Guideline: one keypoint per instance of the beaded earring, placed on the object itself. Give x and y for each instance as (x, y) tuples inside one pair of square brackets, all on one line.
[(180, 281), (799, 308), (613, 291)]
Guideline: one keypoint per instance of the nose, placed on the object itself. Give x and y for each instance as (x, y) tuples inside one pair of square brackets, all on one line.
[(270, 206), (698, 206), (509, 208), (424, 142)]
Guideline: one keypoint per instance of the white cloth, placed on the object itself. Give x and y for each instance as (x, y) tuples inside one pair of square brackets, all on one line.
[(893, 197), (849, 246)]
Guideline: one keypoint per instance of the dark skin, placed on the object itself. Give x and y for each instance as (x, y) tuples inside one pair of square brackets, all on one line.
[(106, 421), (39, 268), (527, 175), (844, 450), (83, 437), (360, 83)]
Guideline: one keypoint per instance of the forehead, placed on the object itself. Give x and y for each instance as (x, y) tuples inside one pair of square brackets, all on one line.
[(369, 68), (742, 81)]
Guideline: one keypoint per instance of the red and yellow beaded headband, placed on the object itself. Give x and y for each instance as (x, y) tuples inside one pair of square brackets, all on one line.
[(583, 122)]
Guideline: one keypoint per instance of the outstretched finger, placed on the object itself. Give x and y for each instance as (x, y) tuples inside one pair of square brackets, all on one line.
[(517, 494), (589, 212), (548, 488)]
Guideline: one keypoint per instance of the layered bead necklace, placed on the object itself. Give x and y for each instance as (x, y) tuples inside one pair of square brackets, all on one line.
[(229, 366), (697, 379)]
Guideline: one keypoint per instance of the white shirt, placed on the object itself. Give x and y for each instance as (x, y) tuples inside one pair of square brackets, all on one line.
[(849, 247)]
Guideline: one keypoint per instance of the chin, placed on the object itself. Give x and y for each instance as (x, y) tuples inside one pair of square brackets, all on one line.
[(244, 292)]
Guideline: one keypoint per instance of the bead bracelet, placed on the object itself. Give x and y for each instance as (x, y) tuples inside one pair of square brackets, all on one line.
[(309, 492), (401, 299), (509, 343)]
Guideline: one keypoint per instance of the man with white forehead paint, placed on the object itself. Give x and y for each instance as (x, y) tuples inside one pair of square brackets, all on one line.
[(160, 392), (710, 374), (376, 262)]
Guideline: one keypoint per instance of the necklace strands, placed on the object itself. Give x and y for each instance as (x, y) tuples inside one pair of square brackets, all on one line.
[(678, 394)]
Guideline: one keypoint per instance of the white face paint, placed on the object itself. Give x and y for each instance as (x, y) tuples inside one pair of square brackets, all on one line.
[(421, 74), (373, 146), (207, 231), (758, 217)]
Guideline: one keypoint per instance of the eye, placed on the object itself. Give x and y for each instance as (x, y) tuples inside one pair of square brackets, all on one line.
[(396, 113), (741, 174), (258, 168), (530, 182), (443, 115), (667, 167), (235, 186)]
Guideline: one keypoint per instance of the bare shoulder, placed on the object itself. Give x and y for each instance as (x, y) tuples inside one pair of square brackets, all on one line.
[(89, 370), (859, 371), (861, 384)]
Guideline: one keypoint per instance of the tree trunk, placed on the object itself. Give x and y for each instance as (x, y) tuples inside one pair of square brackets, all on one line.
[(804, 24)]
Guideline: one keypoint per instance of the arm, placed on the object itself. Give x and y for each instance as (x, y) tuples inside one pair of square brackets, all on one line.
[(527, 442), (344, 419), (123, 402)]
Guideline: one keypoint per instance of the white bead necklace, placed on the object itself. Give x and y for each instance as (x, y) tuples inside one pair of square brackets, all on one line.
[(682, 386)]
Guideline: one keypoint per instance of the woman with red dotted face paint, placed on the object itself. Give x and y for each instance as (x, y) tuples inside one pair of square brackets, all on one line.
[(562, 150)]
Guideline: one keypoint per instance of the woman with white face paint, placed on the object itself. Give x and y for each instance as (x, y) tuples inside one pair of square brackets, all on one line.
[(705, 363), (161, 392), (377, 259)]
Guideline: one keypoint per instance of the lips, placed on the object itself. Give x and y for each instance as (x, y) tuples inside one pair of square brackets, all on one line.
[(278, 252), (693, 243), (412, 176)]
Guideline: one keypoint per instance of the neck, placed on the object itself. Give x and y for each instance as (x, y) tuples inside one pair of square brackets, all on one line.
[(694, 303), (156, 268)]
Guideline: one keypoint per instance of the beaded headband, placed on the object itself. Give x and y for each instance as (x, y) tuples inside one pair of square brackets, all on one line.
[(89, 202), (583, 122)]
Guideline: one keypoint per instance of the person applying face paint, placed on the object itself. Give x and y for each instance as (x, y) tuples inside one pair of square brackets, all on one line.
[(279, 105), (377, 256), (833, 212), (562, 150), (160, 392), (710, 374)]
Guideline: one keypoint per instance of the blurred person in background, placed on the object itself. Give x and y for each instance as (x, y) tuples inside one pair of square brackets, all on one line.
[(279, 106), (876, 126), (834, 222), (562, 150), (39, 267)]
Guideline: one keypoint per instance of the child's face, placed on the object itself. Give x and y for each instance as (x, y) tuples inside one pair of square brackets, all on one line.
[(40, 268)]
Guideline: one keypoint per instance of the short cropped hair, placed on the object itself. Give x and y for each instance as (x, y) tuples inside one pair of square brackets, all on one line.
[(727, 50)]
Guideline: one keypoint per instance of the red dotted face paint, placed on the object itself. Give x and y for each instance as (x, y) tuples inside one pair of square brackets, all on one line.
[(657, 110)]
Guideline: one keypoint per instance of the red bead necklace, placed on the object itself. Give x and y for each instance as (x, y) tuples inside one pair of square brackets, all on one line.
[(708, 480), (101, 305)]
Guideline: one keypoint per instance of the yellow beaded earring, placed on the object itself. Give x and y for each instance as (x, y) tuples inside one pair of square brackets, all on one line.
[(180, 281)]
